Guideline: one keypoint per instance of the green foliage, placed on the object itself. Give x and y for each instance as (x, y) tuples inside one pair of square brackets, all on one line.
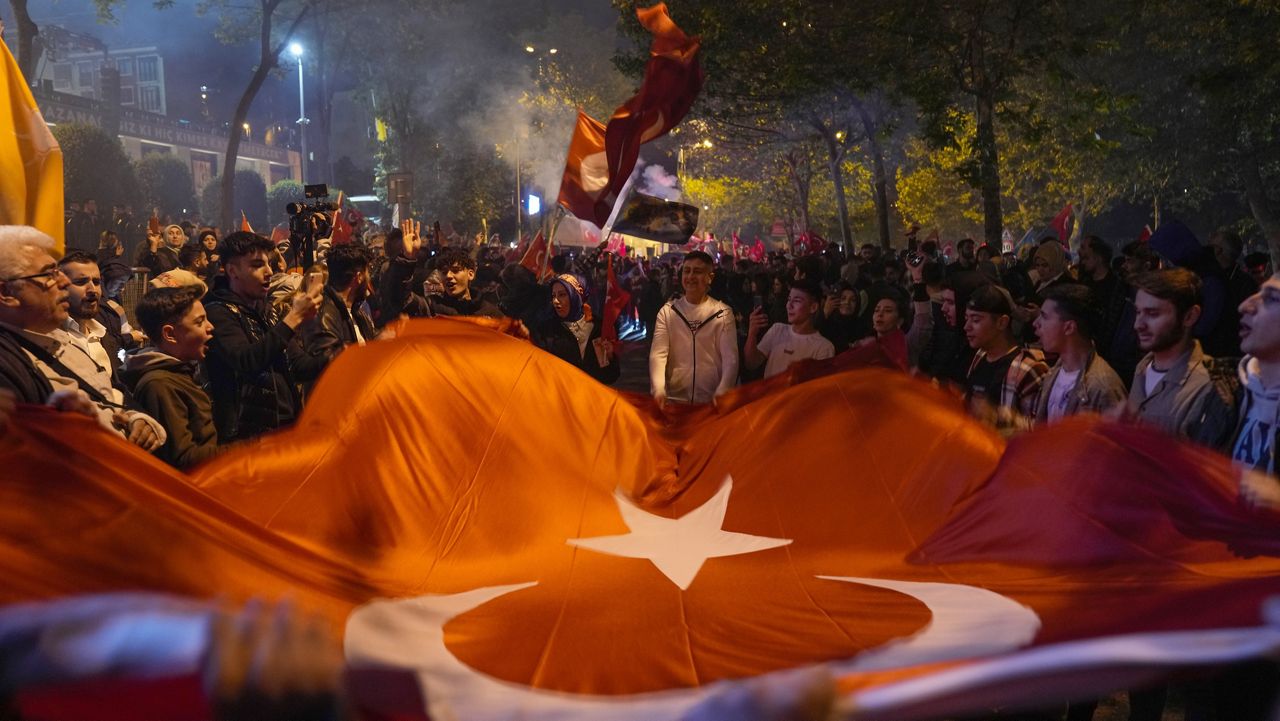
[(95, 166), (250, 197), (278, 196), (166, 183)]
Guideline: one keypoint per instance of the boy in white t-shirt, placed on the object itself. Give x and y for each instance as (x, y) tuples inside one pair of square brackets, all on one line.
[(786, 343)]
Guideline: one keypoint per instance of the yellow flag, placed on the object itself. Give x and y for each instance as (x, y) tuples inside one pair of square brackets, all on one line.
[(380, 127), (30, 160)]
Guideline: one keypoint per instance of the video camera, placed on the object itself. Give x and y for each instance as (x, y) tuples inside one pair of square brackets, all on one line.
[(309, 222)]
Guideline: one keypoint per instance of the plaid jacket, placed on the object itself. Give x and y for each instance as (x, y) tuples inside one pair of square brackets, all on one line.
[(1022, 381)]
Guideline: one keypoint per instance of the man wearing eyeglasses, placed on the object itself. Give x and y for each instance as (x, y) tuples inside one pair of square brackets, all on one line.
[(38, 357)]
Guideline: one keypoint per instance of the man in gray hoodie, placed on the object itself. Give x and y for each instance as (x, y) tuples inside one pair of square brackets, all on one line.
[(1257, 431), (163, 377)]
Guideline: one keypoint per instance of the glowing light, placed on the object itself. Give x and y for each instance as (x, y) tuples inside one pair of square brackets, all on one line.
[(295, 49), (706, 144), (528, 48), (534, 204), (553, 51), (840, 135)]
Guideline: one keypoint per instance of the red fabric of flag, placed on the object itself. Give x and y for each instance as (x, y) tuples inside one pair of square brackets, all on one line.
[(672, 79), (1061, 221), (343, 233), (616, 300), (536, 258)]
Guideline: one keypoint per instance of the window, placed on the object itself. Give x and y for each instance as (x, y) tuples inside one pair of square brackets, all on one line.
[(149, 69), (62, 76), (150, 97), (125, 66), (127, 97), (88, 74)]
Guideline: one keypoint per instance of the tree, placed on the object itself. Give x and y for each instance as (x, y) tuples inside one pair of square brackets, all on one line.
[(95, 166), (279, 196), (235, 19), (250, 197), (166, 183)]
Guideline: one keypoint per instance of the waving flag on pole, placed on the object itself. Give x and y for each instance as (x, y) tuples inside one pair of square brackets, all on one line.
[(601, 158), (535, 258), (30, 160), (1061, 222), (244, 223), (616, 300), (672, 79), (342, 231), (758, 252), (676, 567), (584, 187)]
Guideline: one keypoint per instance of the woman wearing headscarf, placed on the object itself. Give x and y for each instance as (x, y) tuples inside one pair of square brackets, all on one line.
[(1049, 267), (572, 335)]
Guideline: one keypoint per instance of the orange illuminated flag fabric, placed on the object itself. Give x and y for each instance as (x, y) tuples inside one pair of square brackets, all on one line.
[(31, 169), (672, 79), (544, 547), (583, 190)]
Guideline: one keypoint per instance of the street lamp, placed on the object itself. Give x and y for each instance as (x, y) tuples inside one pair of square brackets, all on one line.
[(296, 50)]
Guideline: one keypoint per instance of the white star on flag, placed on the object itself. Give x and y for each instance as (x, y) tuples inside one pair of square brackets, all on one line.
[(679, 546)]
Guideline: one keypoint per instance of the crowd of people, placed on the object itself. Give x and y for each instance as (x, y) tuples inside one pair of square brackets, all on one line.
[(233, 333)]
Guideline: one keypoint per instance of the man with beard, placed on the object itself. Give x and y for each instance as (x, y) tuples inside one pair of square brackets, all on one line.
[(250, 380), (341, 320), (84, 313), (1173, 388)]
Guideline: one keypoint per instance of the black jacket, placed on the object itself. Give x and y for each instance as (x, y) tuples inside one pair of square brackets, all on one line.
[(163, 260), (250, 380), (554, 338), (324, 336), (19, 374)]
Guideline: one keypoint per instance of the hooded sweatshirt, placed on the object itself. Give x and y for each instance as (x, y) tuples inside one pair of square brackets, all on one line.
[(1258, 431), (167, 390)]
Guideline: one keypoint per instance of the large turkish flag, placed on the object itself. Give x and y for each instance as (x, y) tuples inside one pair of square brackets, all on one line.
[(536, 545)]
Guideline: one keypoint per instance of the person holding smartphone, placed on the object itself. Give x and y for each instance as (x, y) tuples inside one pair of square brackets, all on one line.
[(251, 383)]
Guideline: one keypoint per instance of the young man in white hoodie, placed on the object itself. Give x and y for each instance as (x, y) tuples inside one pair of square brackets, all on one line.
[(694, 355), (1258, 430)]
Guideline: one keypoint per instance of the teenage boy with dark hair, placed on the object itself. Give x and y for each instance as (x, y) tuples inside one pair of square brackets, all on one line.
[(163, 377), (1173, 388), (1080, 381), (795, 340), (1004, 374), (250, 380), (694, 355), (458, 272), (341, 321)]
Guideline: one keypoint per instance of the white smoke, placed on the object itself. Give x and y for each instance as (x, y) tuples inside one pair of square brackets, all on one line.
[(656, 181)]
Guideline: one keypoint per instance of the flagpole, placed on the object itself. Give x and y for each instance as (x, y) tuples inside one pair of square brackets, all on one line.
[(618, 202)]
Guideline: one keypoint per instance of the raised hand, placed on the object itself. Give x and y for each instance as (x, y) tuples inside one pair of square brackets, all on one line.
[(412, 230), (758, 321)]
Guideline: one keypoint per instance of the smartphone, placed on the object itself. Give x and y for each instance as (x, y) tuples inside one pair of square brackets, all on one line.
[(313, 280)]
